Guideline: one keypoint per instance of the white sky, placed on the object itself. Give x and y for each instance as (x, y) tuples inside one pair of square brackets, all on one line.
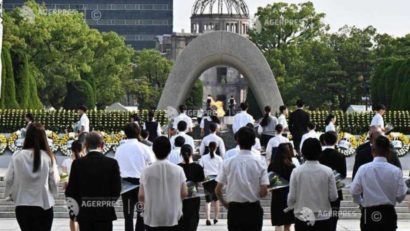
[(388, 16)]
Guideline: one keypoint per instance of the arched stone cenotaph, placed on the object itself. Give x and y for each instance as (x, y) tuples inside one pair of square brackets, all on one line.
[(221, 48)]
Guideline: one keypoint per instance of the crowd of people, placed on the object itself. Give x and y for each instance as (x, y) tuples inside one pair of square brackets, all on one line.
[(156, 175)]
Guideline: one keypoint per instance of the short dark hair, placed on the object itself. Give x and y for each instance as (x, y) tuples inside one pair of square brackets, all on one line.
[(83, 108), (94, 140), (311, 126), (283, 108), (179, 141), (30, 117), (135, 117), (244, 106), (161, 147), (322, 139), (144, 134), (182, 126), (300, 103), (330, 138), (311, 149), (379, 107), (132, 130), (182, 108), (213, 127), (279, 128), (151, 115), (382, 146), (246, 138)]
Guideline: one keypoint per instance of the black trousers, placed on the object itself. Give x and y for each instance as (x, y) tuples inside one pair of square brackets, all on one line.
[(94, 226), (190, 209), (129, 202), (265, 139), (325, 225), (335, 214), (33, 218), (172, 228), (378, 218), (245, 216)]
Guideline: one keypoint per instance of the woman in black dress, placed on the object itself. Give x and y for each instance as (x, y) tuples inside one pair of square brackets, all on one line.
[(282, 165), (195, 174)]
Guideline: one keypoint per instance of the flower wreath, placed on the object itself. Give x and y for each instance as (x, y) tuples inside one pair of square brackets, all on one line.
[(3, 144), (400, 142), (347, 144)]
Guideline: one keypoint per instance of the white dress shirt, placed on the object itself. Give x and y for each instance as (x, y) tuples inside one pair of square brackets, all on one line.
[(188, 140), (282, 121), (211, 166), (28, 188), (313, 186), (235, 151), (183, 117), (243, 175), (380, 183), (213, 137), (311, 134), (330, 127), (162, 182), (85, 122), (133, 157), (377, 121), (274, 142), (175, 156), (241, 120)]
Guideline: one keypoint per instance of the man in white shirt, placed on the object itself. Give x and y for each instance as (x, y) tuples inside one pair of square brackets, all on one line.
[(213, 137), (377, 187), (188, 139), (175, 155), (275, 142), (242, 119), (377, 120), (183, 117), (312, 187), (163, 187), (132, 157), (311, 134), (284, 112), (83, 124), (246, 179)]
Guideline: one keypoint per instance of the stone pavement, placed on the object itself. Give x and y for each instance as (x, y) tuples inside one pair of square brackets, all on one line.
[(62, 225)]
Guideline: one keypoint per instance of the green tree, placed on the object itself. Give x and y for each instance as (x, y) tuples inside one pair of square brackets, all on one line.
[(195, 98), (9, 90), (22, 81), (151, 71), (284, 29), (79, 93), (110, 66)]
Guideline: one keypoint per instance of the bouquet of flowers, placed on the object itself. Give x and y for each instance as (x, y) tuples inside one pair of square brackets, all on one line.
[(276, 182), (339, 180)]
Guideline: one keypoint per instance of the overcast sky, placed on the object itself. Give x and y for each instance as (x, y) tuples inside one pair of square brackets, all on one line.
[(388, 16)]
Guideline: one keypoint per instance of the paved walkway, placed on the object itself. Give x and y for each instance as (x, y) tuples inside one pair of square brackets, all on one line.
[(61, 225)]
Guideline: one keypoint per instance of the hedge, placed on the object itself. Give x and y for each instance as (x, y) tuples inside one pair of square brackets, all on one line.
[(113, 121)]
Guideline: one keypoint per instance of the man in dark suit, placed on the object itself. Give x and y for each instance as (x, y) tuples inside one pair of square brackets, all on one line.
[(364, 153), (336, 161), (298, 122), (95, 184)]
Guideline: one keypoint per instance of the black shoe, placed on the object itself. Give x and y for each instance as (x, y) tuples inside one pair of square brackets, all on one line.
[(215, 221), (208, 222)]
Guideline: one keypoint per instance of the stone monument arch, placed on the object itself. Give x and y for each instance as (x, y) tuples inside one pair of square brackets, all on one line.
[(221, 48)]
